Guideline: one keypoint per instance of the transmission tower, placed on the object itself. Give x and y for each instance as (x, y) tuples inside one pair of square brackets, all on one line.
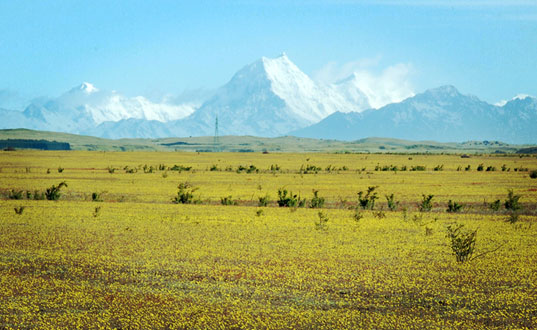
[(216, 140)]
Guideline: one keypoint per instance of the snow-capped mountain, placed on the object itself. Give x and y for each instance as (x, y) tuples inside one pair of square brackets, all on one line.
[(442, 114), (84, 107), (270, 97)]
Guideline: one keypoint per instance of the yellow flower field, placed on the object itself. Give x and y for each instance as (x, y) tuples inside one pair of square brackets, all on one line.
[(135, 259)]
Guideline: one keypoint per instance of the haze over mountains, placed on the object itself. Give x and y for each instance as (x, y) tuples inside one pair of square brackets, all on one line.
[(272, 97)]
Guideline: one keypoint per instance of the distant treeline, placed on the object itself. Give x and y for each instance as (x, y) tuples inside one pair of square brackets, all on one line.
[(33, 144)]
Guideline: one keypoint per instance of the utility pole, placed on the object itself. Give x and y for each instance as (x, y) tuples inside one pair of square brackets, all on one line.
[(216, 140)]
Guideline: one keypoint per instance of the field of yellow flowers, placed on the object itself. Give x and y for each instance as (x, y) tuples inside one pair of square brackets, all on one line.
[(115, 251)]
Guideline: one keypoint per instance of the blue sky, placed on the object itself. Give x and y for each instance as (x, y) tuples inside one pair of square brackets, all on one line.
[(487, 48)]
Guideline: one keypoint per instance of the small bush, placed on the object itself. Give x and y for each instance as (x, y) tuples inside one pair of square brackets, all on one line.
[(180, 168), (426, 203), (316, 201), (19, 210), (38, 195), (533, 174), (15, 194), (259, 212), (214, 167), (96, 197), (53, 193), (512, 201), (60, 169), (491, 169), (367, 200), (228, 200), (357, 215), (185, 195), (462, 242), (308, 169), (288, 199), (392, 204), (495, 206), (379, 214), (263, 200), (322, 223), (439, 168), (453, 207), (97, 212), (480, 167), (513, 218), (468, 168), (111, 170), (418, 168)]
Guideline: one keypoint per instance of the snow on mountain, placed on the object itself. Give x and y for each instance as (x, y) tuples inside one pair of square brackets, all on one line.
[(84, 107), (104, 106), (269, 97), (441, 114)]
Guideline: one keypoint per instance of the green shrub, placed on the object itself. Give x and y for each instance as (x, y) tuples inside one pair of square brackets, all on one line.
[(453, 207), (357, 214), (288, 199), (480, 167), (60, 169), (53, 193), (228, 200), (180, 168), (185, 195), (38, 195), (495, 206), (462, 242), (513, 218), (308, 169), (512, 201), (15, 194), (263, 200), (533, 174), (426, 203), (96, 197), (322, 223), (392, 204), (367, 200), (316, 201)]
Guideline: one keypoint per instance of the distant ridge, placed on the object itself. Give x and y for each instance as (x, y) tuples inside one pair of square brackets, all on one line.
[(260, 144)]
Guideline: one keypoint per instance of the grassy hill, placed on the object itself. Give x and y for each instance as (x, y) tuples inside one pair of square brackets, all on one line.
[(259, 144)]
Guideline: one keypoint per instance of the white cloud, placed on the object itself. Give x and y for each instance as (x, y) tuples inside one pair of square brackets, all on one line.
[(390, 84)]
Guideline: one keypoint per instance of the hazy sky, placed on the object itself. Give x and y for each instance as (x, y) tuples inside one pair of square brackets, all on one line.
[(152, 48)]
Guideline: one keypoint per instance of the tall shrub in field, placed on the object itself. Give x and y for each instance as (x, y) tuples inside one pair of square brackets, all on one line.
[(462, 242), (367, 200), (185, 195), (426, 203), (53, 193)]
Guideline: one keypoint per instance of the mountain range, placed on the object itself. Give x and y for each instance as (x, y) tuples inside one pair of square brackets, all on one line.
[(273, 97)]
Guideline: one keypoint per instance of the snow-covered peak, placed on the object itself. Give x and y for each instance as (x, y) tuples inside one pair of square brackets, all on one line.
[(521, 97), (86, 87), (518, 97)]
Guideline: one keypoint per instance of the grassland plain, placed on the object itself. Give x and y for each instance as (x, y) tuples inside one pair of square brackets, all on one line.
[(137, 260)]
